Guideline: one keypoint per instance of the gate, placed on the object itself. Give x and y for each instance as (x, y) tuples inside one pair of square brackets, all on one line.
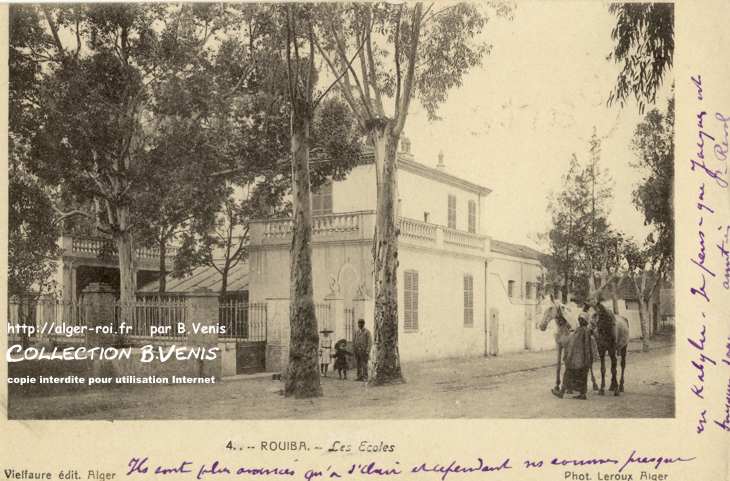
[(245, 323), (493, 348)]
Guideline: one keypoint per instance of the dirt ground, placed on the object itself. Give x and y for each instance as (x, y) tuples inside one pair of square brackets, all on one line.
[(510, 386)]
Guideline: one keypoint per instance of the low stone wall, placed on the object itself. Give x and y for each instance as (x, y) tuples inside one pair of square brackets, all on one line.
[(109, 369)]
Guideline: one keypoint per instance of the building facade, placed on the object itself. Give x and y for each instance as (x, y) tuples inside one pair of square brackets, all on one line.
[(460, 293)]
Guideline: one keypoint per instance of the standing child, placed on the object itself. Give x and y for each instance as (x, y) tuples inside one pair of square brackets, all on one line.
[(325, 351), (340, 356)]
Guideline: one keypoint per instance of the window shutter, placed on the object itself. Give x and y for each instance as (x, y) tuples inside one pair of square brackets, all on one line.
[(452, 212), (468, 300), (410, 298)]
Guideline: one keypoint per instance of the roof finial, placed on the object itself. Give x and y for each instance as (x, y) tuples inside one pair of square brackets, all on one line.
[(441, 164)]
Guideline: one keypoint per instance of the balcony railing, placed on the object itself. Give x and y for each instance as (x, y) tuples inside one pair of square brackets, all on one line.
[(93, 247), (414, 229), (321, 225), (463, 239), (361, 225)]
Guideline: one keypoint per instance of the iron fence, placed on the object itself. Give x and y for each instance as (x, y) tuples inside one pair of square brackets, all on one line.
[(324, 318), (241, 320), (158, 317), (32, 317), (349, 323)]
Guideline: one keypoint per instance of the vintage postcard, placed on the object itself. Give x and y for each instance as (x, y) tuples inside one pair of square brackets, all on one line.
[(359, 240)]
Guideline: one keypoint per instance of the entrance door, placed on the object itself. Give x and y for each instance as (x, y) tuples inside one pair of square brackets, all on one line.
[(493, 334)]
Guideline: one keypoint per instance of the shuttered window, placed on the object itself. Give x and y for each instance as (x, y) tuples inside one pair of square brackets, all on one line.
[(452, 212), (472, 216), (322, 200), (468, 300), (511, 289), (410, 300)]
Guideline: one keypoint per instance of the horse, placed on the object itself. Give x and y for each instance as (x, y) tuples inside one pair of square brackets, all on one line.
[(612, 337), (566, 317)]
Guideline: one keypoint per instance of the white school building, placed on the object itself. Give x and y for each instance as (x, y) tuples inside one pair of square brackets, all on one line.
[(460, 292)]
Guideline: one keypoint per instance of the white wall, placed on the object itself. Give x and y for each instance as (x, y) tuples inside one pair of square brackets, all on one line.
[(517, 316), (356, 192), (418, 194), (441, 332), (269, 269)]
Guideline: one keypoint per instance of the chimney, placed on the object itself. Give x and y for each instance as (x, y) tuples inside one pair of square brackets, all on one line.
[(405, 148), (405, 145), (441, 165)]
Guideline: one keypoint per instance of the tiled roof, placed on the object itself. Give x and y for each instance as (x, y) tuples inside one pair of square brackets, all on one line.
[(516, 250), (205, 276)]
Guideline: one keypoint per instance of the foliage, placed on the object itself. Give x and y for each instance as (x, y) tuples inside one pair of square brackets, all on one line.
[(644, 47), (32, 235), (581, 239), (653, 144)]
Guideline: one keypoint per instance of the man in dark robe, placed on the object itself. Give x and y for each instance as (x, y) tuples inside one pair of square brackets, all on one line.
[(578, 361)]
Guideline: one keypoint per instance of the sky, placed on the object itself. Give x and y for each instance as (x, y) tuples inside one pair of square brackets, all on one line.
[(517, 119)]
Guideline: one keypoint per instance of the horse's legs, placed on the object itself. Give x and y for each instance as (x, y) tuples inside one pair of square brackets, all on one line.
[(614, 363), (557, 372), (623, 368), (602, 354), (593, 379)]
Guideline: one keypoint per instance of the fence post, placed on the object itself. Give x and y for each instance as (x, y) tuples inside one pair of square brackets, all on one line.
[(201, 310), (99, 301)]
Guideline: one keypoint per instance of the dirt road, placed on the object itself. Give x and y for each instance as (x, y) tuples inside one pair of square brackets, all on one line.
[(516, 386)]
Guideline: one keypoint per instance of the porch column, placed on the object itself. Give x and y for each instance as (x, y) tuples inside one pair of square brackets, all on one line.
[(201, 311), (99, 302), (69, 281)]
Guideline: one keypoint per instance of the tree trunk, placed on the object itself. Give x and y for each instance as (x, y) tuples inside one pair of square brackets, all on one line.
[(643, 320), (127, 278), (386, 368), (162, 283), (224, 279), (302, 376)]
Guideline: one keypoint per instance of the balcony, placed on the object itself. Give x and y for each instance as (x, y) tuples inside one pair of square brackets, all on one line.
[(100, 251), (360, 226)]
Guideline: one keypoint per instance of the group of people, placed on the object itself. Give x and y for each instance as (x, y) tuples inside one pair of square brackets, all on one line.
[(361, 344)]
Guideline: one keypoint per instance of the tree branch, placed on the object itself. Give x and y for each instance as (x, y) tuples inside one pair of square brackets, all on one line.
[(340, 47), (371, 68), (338, 78), (73, 213), (54, 31), (411, 73), (344, 85)]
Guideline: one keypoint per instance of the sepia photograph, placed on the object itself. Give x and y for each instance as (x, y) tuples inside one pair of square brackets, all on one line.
[(341, 210)]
